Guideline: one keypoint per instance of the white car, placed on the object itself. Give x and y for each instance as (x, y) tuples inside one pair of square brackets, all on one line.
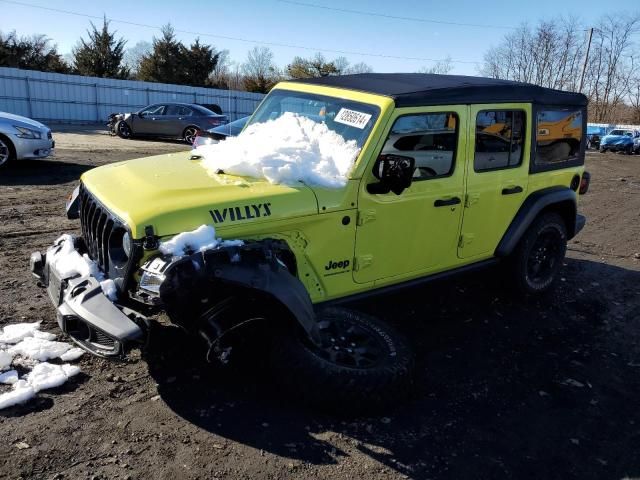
[(22, 138)]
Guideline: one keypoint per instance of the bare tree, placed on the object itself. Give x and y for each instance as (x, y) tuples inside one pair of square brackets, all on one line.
[(441, 67), (610, 70), (260, 72), (552, 53)]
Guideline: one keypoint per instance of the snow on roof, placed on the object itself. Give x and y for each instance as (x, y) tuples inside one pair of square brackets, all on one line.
[(287, 150)]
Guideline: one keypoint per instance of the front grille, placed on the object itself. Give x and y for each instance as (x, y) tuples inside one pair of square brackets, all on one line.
[(97, 224), (102, 339)]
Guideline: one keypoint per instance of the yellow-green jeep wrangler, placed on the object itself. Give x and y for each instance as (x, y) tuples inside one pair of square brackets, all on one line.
[(452, 173)]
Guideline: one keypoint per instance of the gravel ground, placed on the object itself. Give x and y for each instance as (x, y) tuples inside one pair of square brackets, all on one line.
[(507, 387)]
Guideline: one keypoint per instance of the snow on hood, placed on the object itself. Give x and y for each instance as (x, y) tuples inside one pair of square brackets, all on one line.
[(32, 347), (287, 150), (198, 240)]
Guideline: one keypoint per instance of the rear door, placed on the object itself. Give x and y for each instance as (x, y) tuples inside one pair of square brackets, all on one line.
[(408, 235), (498, 173), (176, 119)]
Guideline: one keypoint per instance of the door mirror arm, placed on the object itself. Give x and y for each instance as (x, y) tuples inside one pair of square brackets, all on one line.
[(395, 173)]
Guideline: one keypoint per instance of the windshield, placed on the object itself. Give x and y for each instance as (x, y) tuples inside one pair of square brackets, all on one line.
[(351, 120), (621, 132)]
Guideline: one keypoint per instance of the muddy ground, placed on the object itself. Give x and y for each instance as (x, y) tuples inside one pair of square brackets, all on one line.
[(506, 388)]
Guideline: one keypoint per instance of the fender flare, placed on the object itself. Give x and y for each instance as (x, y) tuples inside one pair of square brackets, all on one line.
[(534, 204), (254, 268)]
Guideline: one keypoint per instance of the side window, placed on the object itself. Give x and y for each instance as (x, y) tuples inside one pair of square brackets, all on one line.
[(558, 136), (430, 138), (184, 111), (499, 139), (173, 110), (154, 110)]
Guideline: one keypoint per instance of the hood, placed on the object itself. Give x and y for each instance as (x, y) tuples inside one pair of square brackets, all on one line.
[(175, 194), (26, 122), (616, 139)]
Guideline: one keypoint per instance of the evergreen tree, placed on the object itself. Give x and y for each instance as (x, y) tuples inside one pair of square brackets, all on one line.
[(200, 61), (165, 63), (101, 55), (31, 53)]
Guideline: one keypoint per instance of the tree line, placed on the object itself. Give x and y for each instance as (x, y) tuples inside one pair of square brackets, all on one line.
[(553, 53), (166, 59)]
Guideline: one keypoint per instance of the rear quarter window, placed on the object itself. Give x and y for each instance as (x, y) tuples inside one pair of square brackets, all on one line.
[(558, 137)]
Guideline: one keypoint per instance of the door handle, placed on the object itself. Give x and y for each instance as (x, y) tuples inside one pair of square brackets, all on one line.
[(444, 202), (512, 190)]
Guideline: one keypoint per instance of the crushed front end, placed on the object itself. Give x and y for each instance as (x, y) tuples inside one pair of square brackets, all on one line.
[(86, 276)]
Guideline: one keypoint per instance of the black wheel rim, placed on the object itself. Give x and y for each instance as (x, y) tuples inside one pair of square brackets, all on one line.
[(4, 152), (544, 256), (124, 129), (349, 344), (190, 135)]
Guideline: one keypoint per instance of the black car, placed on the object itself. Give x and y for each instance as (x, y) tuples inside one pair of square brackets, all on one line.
[(174, 120), (594, 135)]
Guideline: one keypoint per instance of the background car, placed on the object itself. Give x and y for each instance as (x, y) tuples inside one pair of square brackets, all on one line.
[(594, 135), (173, 120), (619, 140), (22, 138), (214, 135)]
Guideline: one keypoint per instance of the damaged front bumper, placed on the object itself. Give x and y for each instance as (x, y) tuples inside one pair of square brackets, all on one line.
[(84, 312)]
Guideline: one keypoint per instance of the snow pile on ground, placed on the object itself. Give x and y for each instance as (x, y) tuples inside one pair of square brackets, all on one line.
[(287, 150), (25, 345), (69, 262), (198, 240)]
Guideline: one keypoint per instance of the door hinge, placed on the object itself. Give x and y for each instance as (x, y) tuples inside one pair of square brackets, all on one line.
[(465, 239), (365, 216), (470, 199), (362, 261)]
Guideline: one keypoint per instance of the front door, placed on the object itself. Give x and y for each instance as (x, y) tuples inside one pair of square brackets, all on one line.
[(149, 120), (498, 172), (403, 236)]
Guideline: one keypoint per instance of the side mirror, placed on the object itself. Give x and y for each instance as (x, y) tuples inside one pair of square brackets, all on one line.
[(142, 114), (395, 173)]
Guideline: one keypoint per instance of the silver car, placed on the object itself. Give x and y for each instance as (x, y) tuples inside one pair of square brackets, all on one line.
[(22, 138)]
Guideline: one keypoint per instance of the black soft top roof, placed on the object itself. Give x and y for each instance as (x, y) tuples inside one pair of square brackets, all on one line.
[(419, 89)]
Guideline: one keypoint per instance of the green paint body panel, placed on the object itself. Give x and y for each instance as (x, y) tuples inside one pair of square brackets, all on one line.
[(346, 240)]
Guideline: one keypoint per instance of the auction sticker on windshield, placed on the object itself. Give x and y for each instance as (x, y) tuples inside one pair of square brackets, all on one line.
[(352, 118)]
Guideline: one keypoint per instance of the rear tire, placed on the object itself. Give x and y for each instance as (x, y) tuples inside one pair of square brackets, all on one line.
[(538, 257), (189, 134), (361, 365)]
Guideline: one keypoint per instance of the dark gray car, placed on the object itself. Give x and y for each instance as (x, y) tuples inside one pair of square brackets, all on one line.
[(174, 120)]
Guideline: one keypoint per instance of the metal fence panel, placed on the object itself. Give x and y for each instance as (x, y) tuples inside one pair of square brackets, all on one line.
[(73, 98)]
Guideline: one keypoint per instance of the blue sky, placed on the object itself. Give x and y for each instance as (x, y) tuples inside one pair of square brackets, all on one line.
[(288, 23)]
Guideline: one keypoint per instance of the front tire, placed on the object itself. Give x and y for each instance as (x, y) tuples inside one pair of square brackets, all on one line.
[(539, 255), (7, 151), (123, 130), (361, 365)]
